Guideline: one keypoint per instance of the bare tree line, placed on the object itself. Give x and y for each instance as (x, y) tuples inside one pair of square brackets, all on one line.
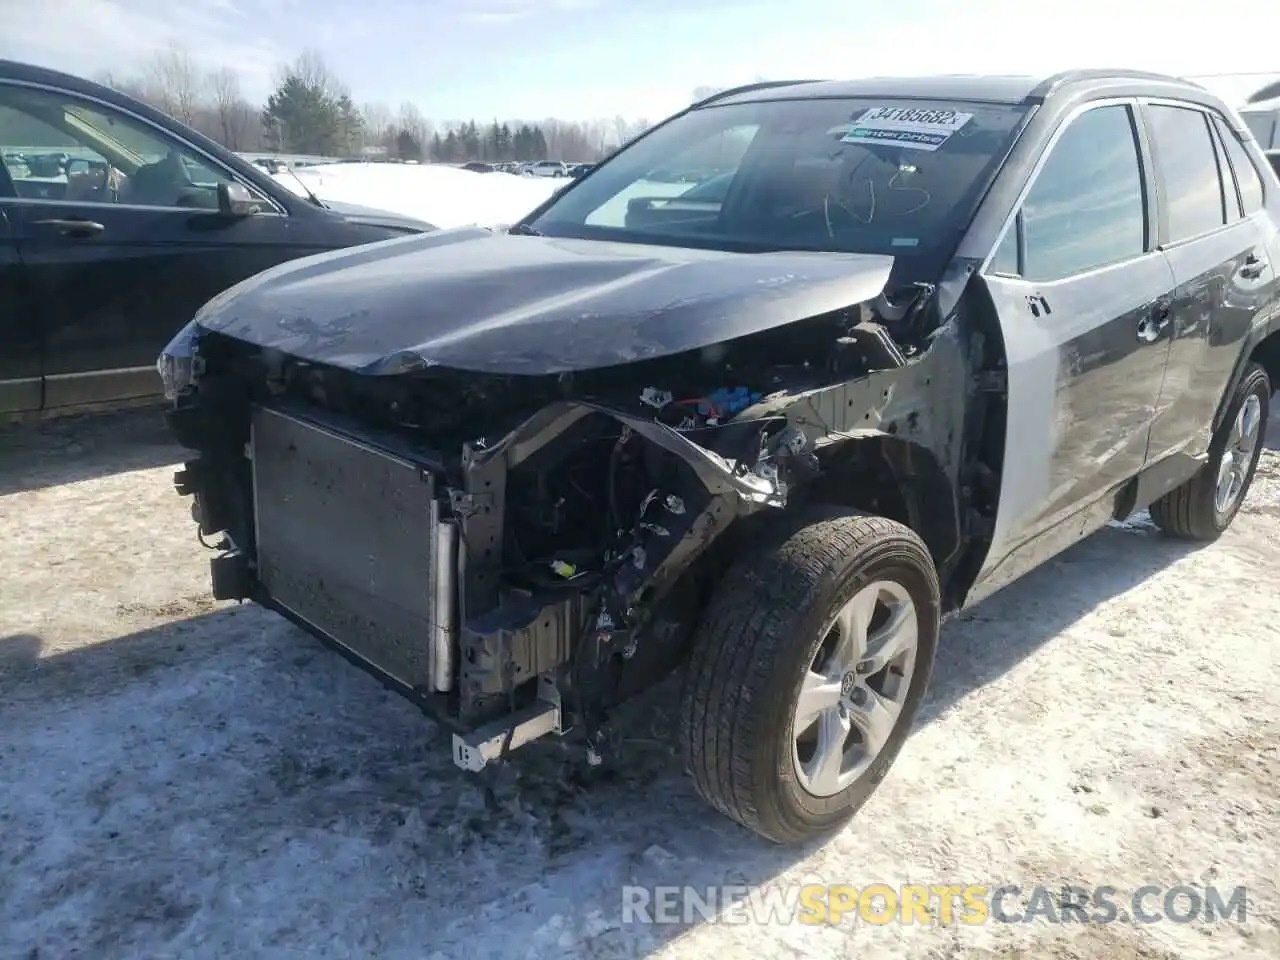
[(311, 106)]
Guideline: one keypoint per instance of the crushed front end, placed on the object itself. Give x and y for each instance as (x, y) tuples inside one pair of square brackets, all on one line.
[(512, 499), (508, 552)]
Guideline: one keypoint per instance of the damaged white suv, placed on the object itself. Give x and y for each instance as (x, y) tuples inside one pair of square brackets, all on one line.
[(922, 335)]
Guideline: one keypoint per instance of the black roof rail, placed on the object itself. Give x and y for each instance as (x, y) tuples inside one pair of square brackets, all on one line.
[(746, 88), (1052, 83)]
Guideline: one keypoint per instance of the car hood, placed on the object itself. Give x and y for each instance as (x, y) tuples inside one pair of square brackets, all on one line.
[(374, 217), (493, 302)]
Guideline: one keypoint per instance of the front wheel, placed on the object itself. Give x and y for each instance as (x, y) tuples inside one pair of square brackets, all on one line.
[(1204, 506), (808, 669)]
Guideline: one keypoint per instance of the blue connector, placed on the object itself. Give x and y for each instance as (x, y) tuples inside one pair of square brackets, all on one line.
[(728, 401)]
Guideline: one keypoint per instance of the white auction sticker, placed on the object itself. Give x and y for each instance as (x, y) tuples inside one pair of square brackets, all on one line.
[(916, 129)]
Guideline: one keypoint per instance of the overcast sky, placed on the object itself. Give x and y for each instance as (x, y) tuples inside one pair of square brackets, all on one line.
[(580, 59)]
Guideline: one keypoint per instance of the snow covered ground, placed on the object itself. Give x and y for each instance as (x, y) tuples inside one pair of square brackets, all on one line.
[(190, 779), (441, 195), (451, 197)]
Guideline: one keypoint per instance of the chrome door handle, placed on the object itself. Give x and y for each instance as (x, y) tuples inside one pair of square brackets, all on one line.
[(72, 228)]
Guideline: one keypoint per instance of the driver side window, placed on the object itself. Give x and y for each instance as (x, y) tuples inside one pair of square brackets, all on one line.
[(1087, 207), (57, 147)]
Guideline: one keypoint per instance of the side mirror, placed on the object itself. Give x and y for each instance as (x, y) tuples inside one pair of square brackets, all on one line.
[(235, 200), (77, 166)]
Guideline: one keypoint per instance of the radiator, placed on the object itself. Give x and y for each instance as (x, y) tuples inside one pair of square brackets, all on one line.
[(350, 540)]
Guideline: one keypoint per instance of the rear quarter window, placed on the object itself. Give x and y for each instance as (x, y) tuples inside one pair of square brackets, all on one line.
[(1245, 173), (1261, 125)]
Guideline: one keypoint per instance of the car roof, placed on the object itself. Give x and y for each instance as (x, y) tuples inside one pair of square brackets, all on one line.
[(993, 88), (1262, 106), (13, 70)]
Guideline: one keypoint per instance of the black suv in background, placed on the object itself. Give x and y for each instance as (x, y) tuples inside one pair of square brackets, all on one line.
[(116, 223)]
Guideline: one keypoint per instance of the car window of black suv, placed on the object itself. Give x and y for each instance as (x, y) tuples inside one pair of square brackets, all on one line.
[(62, 148)]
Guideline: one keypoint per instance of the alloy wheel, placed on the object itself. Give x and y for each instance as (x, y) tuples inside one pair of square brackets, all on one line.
[(855, 688)]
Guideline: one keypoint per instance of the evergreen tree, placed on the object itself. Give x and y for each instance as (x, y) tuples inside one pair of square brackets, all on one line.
[(452, 148), (350, 126), (408, 147), (303, 117), (524, 143)]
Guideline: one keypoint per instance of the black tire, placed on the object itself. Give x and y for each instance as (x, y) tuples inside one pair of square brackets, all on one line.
[(757, 638), (1188, 512)]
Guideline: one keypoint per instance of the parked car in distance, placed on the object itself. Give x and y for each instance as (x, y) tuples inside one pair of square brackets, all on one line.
[(1262, 115), (580, 170), (270, 165), (930, 333), (476, 166), (118, 222), (549, 168)]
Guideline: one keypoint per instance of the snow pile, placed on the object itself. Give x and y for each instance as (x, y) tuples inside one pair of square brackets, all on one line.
[(441, 195)]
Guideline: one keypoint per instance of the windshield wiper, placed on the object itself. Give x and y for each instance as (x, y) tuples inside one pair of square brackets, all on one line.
[(524, 230), (311, 196)]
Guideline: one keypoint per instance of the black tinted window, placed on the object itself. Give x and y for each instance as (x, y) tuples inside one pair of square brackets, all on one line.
[(1086, 208), (57, 147), (1246, 173), (1193, 193)]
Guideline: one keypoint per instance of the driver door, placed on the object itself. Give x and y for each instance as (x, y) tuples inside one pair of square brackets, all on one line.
[(111, 276)]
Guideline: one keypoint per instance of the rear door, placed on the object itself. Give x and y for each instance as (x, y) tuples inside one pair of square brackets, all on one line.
[(1083, 297), (19, 334), (1215, 236), (117, 228)]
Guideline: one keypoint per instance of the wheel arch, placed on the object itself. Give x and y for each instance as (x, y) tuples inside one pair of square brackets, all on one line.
[(898, 479), (1267, 355), (1261, 347)]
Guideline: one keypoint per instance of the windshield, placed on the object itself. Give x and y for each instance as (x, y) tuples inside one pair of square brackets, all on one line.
[(850, 175)]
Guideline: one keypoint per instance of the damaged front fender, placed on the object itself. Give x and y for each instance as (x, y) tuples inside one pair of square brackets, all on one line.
[(623, 597)]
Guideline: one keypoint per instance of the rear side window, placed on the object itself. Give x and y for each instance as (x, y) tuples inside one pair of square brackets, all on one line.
[(1260, 124), (1193, 193), (1246, 173), (1087, 207)]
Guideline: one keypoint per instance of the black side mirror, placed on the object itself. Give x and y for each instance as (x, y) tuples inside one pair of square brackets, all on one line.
[(235, 200)]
